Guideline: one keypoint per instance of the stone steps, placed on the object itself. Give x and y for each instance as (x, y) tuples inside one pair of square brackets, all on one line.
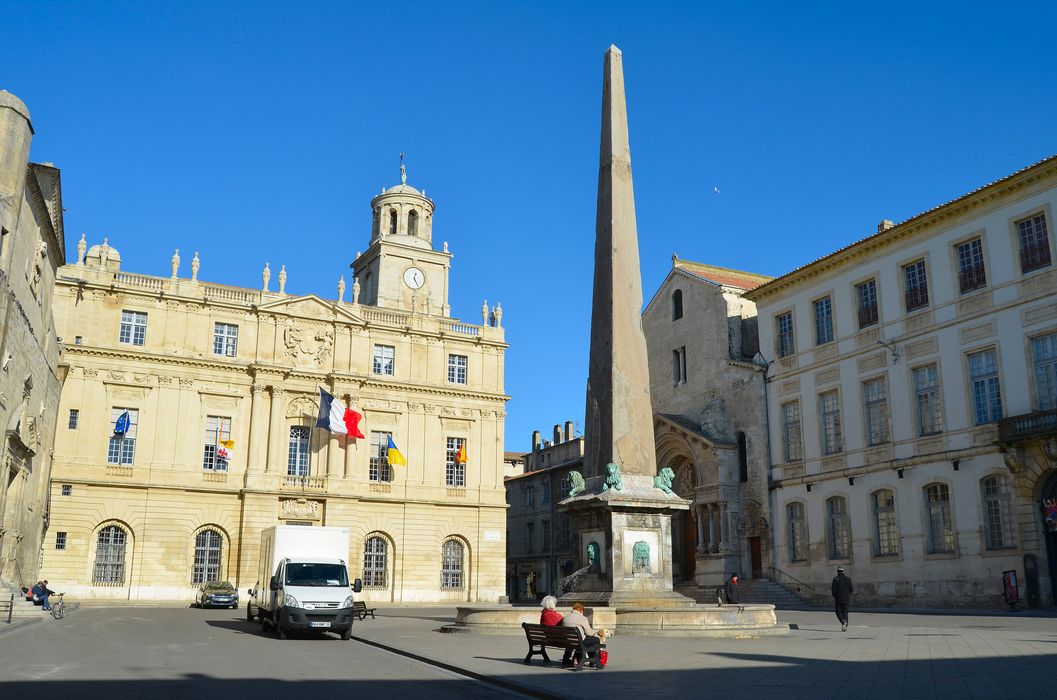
[(752, 591), (22, 608)]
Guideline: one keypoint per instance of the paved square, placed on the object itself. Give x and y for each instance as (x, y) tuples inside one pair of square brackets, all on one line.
[(178, 653)]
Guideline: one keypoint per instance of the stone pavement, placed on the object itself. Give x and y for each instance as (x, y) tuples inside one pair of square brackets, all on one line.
[(896, 655)]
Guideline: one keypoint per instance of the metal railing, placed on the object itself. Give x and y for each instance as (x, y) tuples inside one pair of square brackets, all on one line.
[(10, 607), (777, 574), (1028, 425)]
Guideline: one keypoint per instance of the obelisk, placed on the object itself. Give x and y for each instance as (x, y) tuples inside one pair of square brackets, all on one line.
[(619, 420)]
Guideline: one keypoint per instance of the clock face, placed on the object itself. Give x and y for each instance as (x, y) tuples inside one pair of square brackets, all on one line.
[(414, 278)]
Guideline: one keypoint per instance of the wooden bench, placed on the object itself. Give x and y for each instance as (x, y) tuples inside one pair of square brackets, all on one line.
[(360, 610), (542, 636)]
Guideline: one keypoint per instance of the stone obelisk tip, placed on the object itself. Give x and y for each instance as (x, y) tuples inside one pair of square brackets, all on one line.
[(613, 49)]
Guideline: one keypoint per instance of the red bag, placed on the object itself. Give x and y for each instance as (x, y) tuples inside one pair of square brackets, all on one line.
[(603, 658)]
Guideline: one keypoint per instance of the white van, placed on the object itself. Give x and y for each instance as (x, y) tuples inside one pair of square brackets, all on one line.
[(303, 581)]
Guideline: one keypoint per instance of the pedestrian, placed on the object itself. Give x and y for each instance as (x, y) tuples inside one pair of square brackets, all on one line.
[(731, 590), (842, 590)]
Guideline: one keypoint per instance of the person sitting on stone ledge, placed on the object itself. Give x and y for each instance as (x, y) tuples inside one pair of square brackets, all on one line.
[(41, 593), (549, 616), (592, 638)]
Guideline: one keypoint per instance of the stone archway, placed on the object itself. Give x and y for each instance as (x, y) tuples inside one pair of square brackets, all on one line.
[(684, 523)]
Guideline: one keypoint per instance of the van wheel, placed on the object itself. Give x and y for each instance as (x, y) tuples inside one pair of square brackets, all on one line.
[(249, 613), (347, 633)]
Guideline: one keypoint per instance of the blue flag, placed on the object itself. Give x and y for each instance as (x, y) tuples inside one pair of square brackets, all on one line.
[(124, 422)]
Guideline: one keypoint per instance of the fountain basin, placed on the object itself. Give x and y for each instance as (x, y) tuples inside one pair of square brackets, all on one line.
[(690, 621)]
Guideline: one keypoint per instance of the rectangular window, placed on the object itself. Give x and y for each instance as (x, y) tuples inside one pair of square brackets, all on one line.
[(297, 459), (67, 489), (866, 295), (1044, 356), (987, 395), (225, 339), (875, 398), (839, 529), (74, 416), (791, 441), (60, 540), (528, 495), (383, 359), (133, 327), (1034, 240), (829, 415), (784, 334), (886, 531), (457, 369), (217, 428), (971, 273), (679, 365), (454, 466), (530, 537), (566, 525), (998, 512), (917, 285), (545, 491), (545, 534), (796, 530), (823, 321), (940, 523), (378, 467), (927, 407), (122, 446)]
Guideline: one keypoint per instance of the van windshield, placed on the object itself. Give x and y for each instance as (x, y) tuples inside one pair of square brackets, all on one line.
[(316, 575)]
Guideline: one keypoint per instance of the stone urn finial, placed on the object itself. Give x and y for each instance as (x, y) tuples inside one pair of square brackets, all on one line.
[(82, 246), (282, 279), (195, 264), (175, 263), (341, 289), (356, 290), (266, 276)]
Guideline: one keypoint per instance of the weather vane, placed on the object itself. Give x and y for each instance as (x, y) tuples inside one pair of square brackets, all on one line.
[(403, 170)]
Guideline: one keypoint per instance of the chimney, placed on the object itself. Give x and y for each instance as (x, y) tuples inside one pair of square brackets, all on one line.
[(568, 430), (535, 440), (557, 433), (884, 225)]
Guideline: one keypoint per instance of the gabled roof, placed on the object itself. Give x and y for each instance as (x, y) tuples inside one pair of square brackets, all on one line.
[(311, 306), (722, 275), (679, 421)]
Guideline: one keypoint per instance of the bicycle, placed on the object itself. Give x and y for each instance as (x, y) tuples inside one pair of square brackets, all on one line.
[(58, 608)]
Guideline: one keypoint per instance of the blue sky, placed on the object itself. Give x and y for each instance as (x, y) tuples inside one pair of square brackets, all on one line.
[(260, 131)]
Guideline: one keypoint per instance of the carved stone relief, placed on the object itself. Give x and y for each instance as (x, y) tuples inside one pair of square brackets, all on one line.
[(302, 406), (307, 347), (300, 508)]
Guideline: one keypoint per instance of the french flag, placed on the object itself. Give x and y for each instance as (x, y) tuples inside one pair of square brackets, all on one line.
[(336, 417)]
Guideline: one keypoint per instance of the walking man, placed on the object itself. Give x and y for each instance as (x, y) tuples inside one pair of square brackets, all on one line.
[(842, 590)]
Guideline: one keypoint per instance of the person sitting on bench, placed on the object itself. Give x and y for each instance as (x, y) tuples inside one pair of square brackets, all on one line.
[(592, 638), (549, 616)]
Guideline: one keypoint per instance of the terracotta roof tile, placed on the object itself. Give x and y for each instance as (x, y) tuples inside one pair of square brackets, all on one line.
[(723, 275)]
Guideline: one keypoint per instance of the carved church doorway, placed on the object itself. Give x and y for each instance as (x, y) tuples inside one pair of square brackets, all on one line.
[(1048, 512), (684, 525)]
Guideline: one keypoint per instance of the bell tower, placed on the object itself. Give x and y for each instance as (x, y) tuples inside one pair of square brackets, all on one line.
[(400, 269)]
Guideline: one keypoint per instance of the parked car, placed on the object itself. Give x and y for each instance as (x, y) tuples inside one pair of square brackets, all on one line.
[(218, 594)]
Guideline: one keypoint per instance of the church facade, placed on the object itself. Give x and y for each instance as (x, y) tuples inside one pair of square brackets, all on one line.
[(187, 424)]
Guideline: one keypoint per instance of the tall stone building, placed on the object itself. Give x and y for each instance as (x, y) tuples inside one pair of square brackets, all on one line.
[(164, 370), (913, 404), (709, 416), (31, 248)]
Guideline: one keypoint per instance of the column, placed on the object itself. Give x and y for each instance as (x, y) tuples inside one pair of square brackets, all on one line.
[(700, 527), (275, 427), (257, 427), (725, 526), (716, 532)]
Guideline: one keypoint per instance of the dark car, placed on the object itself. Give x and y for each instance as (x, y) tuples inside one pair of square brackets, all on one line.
[(217, 594)]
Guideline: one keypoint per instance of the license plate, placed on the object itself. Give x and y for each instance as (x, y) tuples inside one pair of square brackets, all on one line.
[(319, 624)]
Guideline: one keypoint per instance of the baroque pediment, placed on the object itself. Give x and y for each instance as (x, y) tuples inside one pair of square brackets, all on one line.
[(310, 307)]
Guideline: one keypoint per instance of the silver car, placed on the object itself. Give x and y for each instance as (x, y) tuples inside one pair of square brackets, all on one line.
[(217, 594)]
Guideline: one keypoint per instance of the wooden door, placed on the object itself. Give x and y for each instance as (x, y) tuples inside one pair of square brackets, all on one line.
[(757, 557)]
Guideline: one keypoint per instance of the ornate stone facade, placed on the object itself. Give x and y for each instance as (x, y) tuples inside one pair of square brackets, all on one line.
[(31, 248), (196, 362)]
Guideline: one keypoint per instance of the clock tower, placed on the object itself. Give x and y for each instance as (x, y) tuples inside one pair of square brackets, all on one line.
[(400, 269)]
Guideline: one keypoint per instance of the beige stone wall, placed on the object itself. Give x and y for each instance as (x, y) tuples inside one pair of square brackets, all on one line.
[(287, 347), (31, 248)]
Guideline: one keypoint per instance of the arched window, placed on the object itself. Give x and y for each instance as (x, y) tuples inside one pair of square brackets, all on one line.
[(838, 530), (796, 531), (938, 518), (375, 562), (207, 557), (743, 458), (677, 304), (297, 458), (886, 529), (412, 223), (998, 512), (110, 556), (451, 564), (392, 222)]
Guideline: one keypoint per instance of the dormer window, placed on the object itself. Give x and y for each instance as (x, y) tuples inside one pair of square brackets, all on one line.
[(392, 222), (412, 223)]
